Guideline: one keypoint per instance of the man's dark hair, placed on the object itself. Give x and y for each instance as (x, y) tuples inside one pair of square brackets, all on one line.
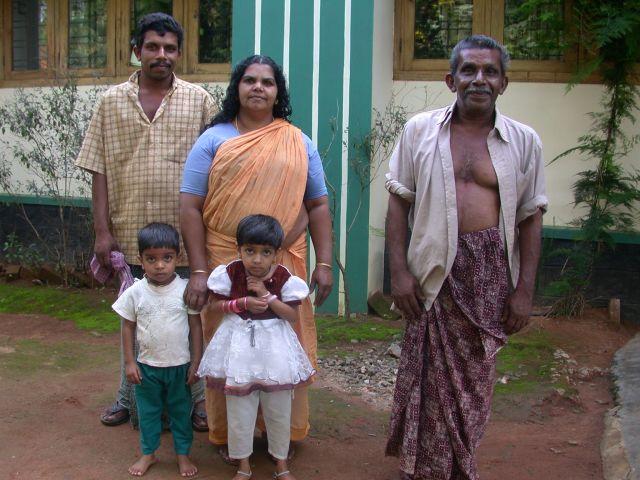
[(158, 235), (158, 22), (259, 230), (231, 102), (479, 42)]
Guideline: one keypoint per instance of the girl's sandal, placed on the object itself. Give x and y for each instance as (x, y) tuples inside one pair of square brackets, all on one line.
[(277, 475)]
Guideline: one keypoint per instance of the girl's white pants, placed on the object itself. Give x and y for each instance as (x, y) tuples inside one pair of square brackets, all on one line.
[(241, 420)]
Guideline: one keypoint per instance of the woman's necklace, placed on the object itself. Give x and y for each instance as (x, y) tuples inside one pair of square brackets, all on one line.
[(235, 124)]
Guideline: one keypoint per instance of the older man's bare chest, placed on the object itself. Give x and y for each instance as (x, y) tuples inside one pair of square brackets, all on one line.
[(478, 201)]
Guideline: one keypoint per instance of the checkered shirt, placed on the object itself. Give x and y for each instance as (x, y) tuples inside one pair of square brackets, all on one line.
[(143, 159)]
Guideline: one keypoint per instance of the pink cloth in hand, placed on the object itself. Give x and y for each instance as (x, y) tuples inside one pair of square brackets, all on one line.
[(118, 267)]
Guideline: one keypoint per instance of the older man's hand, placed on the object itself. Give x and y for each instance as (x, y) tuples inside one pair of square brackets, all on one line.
[(407, 294), (517, 311), (195, 295)]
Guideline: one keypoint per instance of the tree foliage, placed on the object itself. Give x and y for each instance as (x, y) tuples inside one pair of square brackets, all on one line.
[(42, 130), (609, 33)]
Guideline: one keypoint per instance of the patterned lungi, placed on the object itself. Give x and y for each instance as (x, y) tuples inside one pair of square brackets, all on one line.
[(442, 398)]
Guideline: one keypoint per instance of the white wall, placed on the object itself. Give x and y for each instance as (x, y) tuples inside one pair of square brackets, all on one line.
[(20, 175), (558, 117)]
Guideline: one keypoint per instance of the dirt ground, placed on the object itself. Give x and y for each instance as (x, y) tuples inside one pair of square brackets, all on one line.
[(55, 379)]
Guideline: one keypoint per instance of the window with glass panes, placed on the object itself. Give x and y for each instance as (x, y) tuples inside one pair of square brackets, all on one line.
[(44, 39), (533, 32)]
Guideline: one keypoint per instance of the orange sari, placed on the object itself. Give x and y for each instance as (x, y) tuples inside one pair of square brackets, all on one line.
[(263, 171)]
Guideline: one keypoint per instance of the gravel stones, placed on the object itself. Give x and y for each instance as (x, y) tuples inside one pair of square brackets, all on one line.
[(370, 373)]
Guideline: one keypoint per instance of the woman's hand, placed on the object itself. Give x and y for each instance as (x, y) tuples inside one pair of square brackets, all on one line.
[(195, 294), (320, 229), (193, 234), (322, 278)]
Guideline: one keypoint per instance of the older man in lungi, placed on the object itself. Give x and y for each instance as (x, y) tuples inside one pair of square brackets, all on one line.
[(469, 182)]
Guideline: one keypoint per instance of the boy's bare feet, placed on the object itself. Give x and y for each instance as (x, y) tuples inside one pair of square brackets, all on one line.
[(186, 467), (142, 465)]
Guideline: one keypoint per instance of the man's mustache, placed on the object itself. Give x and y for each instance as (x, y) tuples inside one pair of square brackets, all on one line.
[(469, 91), (161, 64)]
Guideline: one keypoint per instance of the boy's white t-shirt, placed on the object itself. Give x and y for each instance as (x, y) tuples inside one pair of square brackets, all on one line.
[(162, 324)]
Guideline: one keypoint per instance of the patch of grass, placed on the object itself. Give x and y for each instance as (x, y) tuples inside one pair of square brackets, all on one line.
[(28, 357), (87, 311), (334, 330), (528, 357)]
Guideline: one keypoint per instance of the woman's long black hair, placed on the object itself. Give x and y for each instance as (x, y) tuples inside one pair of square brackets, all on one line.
[(231, 102)]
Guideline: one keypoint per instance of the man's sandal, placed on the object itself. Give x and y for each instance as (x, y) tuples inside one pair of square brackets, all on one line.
[(277, 475), (248, 475), (114, 414), (199, 421)]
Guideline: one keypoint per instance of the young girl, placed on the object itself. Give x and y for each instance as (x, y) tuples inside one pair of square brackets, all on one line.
[(255, 356)]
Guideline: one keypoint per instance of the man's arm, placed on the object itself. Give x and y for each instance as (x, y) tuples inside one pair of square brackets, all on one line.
[(193, 236), (104, 243), (405, 289), (520, 302), (320, 230)]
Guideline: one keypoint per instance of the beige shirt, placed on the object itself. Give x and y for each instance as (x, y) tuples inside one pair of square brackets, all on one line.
[(162, 321), (141, 158), (421, 172)]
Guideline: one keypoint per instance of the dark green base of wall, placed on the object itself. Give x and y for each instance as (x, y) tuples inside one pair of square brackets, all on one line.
[(616, 274), (46, 219)]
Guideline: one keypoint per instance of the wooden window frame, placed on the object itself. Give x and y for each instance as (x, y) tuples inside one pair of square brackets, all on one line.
[(63, 41), (21, 76), (118, 67), (191, 54), (488, 19)]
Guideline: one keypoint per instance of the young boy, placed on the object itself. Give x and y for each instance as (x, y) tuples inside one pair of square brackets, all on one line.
[(164, 327)]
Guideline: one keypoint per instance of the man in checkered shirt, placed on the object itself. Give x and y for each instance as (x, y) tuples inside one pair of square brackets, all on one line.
[(135, 148)]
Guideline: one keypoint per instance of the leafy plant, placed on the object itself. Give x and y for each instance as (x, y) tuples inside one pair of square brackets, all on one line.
[(13, 251), (217, 92), (609, 32), (42, 131), (367, 154)]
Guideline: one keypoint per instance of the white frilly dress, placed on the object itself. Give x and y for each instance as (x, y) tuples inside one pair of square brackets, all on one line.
[(255, 352)]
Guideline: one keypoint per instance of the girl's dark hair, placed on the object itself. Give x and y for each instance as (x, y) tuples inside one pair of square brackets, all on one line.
[(259, 230), (231, 101), (158, 235), (158, 22)]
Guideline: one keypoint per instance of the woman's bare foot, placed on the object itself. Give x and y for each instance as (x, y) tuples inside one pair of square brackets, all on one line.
[(142, 465), (244, 470), (282, 471), (186, 466)]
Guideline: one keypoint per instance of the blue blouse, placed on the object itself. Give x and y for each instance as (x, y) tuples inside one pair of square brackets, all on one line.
[(195, 179)]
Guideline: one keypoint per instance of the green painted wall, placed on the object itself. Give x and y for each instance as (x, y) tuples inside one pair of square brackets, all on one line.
[(328, 93)]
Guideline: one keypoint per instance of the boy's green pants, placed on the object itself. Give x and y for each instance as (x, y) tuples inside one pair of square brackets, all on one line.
[(164, 387)]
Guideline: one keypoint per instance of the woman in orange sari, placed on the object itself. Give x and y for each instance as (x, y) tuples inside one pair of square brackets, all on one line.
[(252, 160)]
